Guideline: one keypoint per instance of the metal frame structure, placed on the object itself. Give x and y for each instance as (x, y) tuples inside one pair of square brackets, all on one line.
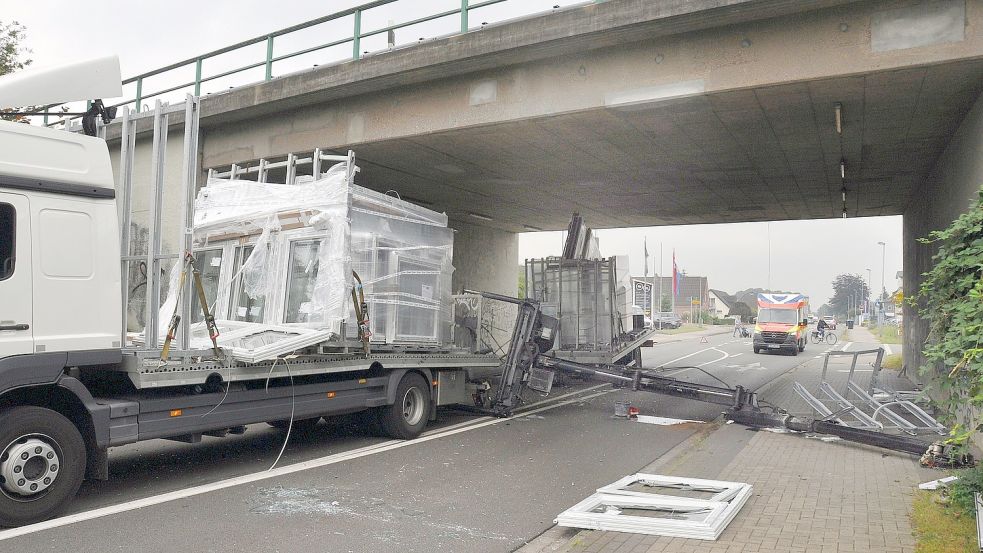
[(916, 420), (589, 332)]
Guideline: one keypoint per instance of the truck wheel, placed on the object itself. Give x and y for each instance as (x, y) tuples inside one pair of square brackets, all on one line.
[(42, 464), (406, 418)]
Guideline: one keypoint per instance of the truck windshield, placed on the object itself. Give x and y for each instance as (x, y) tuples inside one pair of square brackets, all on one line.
[(769, 315)]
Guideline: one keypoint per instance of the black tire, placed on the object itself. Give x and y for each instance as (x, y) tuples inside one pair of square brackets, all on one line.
[(18, 426), (406, 418), (757, 350), (816, 339), (831, 339), (303, 425)]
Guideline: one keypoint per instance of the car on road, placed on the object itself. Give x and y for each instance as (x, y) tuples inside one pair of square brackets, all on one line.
[(830, 321), (667, 320)]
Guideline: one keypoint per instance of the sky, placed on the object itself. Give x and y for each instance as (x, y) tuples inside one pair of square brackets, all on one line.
[(805, 256)]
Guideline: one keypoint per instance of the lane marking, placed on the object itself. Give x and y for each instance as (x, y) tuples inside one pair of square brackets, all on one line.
[(846, 346), (518, 412), (855, 370), (688, 356), (266, 474), (681, 371), (887, 349)]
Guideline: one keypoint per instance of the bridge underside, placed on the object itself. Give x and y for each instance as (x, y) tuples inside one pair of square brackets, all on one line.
[(767, 153)]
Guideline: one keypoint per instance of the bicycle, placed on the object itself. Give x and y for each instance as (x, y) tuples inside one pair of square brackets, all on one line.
[(820, 337)]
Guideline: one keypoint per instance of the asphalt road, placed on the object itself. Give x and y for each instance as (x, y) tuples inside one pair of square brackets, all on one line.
[(470, 484)]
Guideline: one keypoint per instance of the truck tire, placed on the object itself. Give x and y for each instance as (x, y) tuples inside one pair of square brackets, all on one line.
[(47, 450), (406, 418)]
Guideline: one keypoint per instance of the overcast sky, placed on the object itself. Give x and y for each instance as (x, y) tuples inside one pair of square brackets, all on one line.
[(805, 255)]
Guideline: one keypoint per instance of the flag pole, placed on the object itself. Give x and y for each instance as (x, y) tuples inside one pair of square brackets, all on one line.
[(660, 279)]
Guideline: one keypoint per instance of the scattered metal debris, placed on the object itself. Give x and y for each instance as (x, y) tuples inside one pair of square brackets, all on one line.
[(936, 484), (663, 421)]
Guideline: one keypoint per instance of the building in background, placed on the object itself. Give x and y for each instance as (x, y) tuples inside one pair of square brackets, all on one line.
[(693, 293)]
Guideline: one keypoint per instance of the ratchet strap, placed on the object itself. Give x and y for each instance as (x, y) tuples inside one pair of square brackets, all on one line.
[(361, 313), (189, 261)]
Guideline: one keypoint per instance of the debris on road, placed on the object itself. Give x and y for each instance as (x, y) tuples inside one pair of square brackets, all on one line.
[(936, 484), (662, 421), (679, 507)]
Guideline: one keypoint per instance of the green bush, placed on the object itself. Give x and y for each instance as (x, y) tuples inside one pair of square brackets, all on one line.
[(950, 298), (961, 492)]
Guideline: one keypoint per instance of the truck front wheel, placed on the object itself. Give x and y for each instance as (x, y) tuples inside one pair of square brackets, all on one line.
[(406, 418), (42, 464)]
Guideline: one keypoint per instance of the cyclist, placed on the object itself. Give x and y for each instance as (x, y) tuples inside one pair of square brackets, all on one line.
[(821, 327)]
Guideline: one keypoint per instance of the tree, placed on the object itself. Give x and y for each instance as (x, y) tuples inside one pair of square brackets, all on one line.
[(742, 310), (848, 289), (13, 58), (666, 304)]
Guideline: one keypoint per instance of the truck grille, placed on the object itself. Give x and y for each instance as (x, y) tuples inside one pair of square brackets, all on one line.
[(774, 337)]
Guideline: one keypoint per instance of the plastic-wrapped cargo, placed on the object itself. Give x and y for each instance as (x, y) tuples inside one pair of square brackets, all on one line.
[(277, 260)]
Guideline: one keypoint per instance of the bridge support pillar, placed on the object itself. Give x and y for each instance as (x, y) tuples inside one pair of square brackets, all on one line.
[(485, 259)]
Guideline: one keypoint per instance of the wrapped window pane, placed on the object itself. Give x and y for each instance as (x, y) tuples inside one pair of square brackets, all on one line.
[(279, 256)]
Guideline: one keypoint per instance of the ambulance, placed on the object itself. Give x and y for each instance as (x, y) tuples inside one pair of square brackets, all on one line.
[(782, 323)]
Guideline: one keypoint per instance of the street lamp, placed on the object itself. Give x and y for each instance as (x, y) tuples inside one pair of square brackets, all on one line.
[(867, 299), (880, 316)]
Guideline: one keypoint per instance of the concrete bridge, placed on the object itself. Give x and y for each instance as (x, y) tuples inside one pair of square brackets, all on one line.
[(641, 113)]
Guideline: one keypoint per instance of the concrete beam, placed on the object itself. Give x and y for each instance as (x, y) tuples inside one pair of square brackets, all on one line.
[(521, 70)]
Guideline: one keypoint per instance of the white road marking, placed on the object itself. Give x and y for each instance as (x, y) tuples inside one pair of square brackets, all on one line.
[(687, 356), (887, 349), (847, 345), (736, 354), (267, 474), (681, 371), (855, 370)]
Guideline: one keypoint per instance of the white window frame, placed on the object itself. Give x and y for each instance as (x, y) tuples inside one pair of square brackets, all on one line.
[(614, 499)]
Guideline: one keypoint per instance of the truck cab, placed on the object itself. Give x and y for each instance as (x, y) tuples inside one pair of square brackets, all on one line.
[(782, 323), (59, 244)]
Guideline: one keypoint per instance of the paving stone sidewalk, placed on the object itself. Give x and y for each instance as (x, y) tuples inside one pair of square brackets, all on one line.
[(809, 495)]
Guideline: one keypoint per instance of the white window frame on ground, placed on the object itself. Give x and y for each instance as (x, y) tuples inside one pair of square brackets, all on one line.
[(604, 509), (723, 491)]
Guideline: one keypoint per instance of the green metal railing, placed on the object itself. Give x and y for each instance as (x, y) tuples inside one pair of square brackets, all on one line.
[(355, 38)]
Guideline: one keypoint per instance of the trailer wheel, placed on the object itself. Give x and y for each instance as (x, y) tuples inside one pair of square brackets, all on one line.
[(406, 418), (42, 464)]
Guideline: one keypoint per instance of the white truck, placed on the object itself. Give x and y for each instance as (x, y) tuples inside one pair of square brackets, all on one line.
[(64, 395)]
